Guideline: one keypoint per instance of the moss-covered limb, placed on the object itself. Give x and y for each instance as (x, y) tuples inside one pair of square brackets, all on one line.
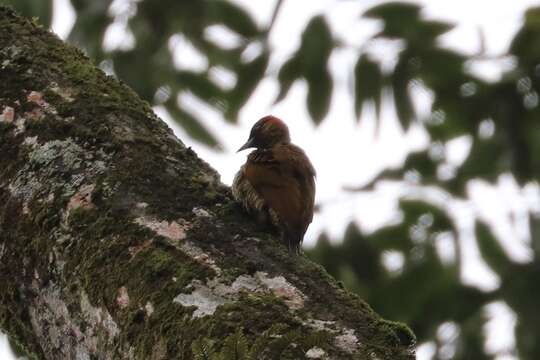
[(116, 241)]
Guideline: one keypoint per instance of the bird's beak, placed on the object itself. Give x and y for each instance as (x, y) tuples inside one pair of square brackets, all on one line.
[(247, 145)]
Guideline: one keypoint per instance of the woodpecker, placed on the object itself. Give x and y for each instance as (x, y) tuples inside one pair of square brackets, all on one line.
[(277, 182)]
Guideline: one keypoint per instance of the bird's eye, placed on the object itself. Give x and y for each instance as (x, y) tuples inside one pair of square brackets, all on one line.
[(256, 128)]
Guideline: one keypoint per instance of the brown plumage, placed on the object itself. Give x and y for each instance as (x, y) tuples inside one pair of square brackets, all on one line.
[(277, 181)]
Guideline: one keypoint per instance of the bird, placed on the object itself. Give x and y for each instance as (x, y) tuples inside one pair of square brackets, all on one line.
[(277, 182)]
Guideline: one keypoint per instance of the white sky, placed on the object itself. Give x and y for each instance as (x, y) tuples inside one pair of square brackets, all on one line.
[(345, 153)]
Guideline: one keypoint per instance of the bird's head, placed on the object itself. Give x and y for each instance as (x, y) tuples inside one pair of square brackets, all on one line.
[(266, 133)]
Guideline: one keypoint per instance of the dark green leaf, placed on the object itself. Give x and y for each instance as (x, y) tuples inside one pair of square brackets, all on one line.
[(393, 11), (433, 29), (132, 67), (400, 19), (491, 250), (202, 87), (368, 84), (319, 95), (442, 70), (249, 76), (413, 210), (476, 165), (317, 44), (288, 74), (402, 98), (191, 125), (90, 25), (524, 45), (232, 16)]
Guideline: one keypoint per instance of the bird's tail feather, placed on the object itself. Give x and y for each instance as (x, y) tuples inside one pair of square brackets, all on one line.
[(294, 241)]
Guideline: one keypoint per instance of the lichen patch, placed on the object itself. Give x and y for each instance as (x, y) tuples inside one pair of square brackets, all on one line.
[(82, 199), (260, 282), (30, 141), (57, 330), (134, 250), (315, 353), (67, 94), (123, 298), (197, 254), (51, 160), (97, 316), (37, 98), (203, 298), (201, 212), (206, 297), (292, 297), (8, 114), (345, 338), (348, 341), (174, 230), (149, 308)]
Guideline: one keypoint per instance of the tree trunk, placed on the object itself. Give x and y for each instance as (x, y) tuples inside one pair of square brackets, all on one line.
[(118, 242)]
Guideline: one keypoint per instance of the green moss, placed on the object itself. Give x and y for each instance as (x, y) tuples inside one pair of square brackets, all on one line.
[(399, 333), (274, 343)]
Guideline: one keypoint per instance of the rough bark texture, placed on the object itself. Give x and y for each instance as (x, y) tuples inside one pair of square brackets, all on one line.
[(116, 241)]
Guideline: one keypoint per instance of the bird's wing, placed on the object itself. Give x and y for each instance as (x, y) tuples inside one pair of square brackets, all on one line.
[(304, 172), (283, 176)]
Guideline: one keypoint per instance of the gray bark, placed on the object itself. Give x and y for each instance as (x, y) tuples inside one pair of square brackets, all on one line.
[(117, 241)]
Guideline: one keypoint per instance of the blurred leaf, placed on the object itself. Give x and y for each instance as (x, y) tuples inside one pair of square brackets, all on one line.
[(361, 255), (201, 86), (400, 19), (317, 44), (249, 76), (368, 84), (491, 251), (232, 16), (423, 164), (310, 62), (442, 70), (319, 95), (132, 67), (476, 166), (524, 44), (403, 21), (433, 29), (191, 125), (90, 25), (325, 253), (394, 12), (400, 86), (288, 74), (41, 9), (473, 338), (419, 162), (414, 210)]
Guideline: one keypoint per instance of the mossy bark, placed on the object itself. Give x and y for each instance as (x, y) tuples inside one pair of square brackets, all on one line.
[(117, 241)]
